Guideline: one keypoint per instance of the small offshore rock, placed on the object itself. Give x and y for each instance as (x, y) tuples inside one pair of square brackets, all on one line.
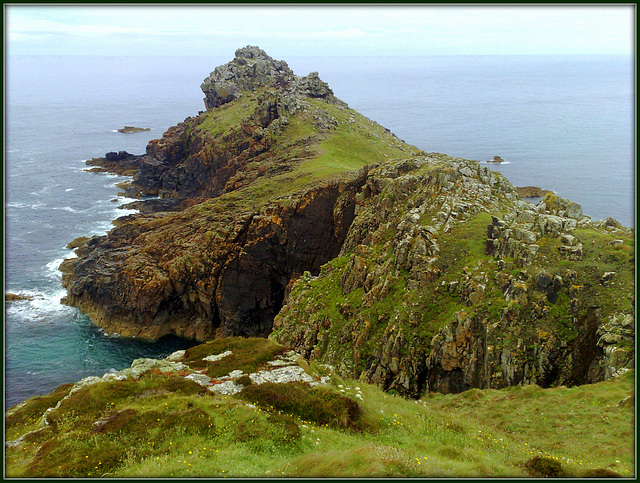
[(130, 129), (14, 297)]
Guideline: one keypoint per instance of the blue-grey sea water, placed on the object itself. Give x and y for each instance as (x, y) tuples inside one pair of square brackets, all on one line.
[(564, 123)]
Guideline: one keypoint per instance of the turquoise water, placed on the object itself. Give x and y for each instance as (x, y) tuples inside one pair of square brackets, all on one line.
[(562, 123)]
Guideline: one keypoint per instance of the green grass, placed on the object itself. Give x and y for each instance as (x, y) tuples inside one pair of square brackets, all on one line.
[(226, 118), (160, 427), (299, 157)]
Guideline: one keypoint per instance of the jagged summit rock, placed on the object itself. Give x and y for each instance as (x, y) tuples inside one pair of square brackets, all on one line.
[(313, 86), (253, 68)]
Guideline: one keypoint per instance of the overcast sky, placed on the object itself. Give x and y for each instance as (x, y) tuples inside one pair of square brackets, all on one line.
[(313, 30)]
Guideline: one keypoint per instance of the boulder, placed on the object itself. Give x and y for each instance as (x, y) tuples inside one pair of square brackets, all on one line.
[(574, 210)]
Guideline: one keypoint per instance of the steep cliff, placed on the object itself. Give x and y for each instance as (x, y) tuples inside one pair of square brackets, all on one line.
[(282, 212)]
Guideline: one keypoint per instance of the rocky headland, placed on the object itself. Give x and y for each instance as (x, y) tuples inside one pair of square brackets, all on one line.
[(280, 212)]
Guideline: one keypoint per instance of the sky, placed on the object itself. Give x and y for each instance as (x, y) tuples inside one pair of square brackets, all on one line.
[(316, 30)]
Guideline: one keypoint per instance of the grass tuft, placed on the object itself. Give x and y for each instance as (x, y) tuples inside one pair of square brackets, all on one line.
[(544, 467), (320, 405)]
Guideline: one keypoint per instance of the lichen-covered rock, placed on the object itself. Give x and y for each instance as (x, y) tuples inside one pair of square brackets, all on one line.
[(251, 68)]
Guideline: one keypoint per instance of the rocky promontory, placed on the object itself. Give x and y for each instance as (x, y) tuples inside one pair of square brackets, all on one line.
[(280, 212), (263, 189)]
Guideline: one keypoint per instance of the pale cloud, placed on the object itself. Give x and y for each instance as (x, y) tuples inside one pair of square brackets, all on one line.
[(418, 29), (345, 34)]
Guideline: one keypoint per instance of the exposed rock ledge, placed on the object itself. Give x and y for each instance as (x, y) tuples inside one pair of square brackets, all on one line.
[(282, 369)]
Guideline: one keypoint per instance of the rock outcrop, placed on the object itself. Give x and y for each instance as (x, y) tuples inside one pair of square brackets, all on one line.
[(532, 192), (281, 212), (431, 292), (14, 297)]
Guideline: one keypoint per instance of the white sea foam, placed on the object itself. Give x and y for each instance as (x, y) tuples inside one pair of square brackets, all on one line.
[(53, 265), (65, 208), (47, 302), (34, 205), (115, 184), (125, 212), (41, 306), (101, 228)]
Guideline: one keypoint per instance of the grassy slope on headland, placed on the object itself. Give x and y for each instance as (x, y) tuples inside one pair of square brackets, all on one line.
[(163, 425)]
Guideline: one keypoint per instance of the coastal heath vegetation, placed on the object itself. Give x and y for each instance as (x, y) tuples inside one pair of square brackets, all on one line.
[(164, 425)]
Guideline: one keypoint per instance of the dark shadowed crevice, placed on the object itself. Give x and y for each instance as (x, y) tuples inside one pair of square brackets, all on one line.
[(215, 318), (277, 297)]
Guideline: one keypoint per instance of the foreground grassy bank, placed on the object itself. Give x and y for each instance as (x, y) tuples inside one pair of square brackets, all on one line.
[(163, 424)]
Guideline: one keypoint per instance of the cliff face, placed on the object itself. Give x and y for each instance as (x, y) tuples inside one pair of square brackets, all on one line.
[(281, 212), (208, 270)]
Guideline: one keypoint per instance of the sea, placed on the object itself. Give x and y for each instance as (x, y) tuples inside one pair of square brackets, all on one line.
[(564, 123)]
